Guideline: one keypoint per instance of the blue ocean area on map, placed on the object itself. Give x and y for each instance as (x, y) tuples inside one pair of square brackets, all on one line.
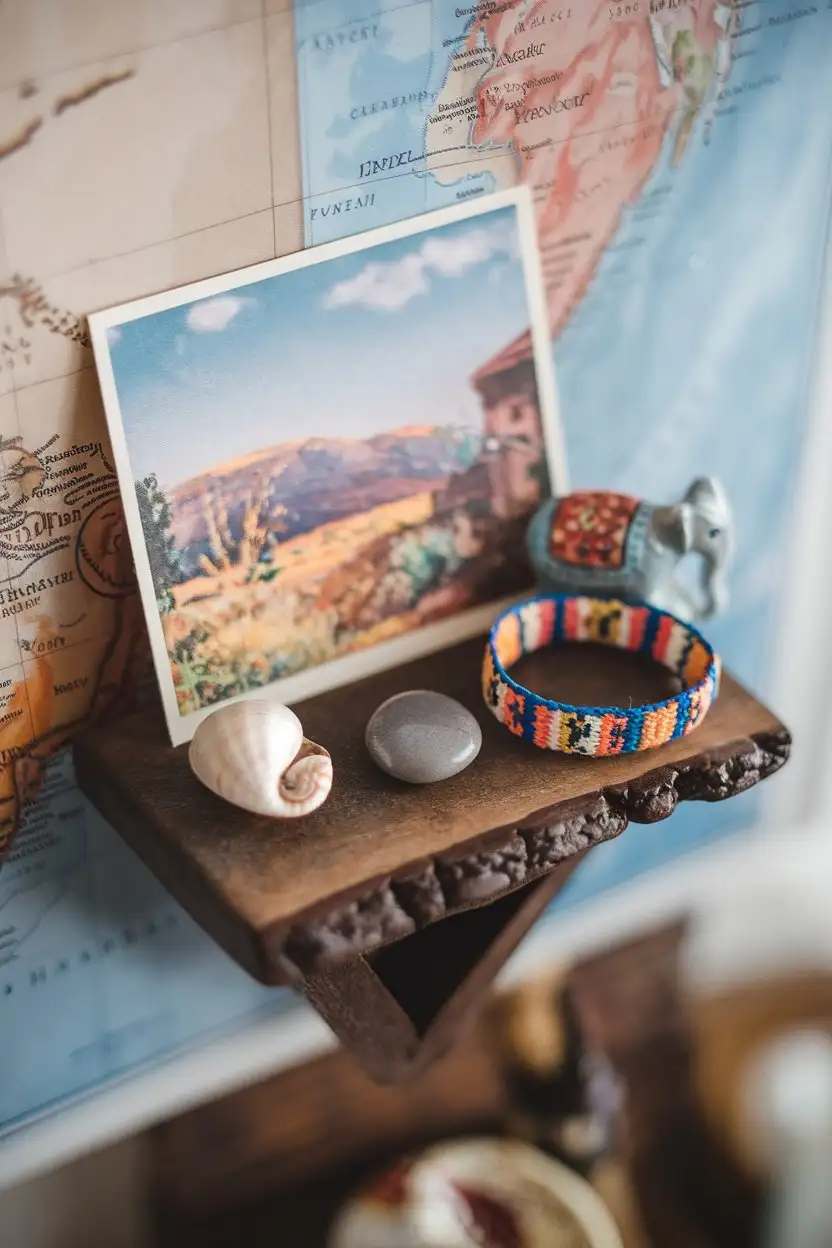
[(100, 970), (688, 352), (393, 85)]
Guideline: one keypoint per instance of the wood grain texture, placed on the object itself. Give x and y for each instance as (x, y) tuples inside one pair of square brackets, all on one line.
[(383, 859)]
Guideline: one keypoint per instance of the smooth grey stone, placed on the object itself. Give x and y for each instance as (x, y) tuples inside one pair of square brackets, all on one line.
[(421, 737)]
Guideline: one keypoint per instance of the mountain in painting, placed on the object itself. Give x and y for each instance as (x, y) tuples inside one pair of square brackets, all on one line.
[(300, 485)]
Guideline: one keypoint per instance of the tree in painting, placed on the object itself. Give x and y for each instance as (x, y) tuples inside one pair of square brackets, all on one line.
[(155, 514)]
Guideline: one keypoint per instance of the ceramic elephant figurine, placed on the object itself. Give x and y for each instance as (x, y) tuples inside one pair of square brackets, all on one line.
[(598, 542)]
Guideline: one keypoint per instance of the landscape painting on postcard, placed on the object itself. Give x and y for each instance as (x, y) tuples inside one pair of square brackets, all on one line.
[(338, 451)]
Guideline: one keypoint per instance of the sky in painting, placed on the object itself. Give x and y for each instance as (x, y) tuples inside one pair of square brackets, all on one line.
[(372, 341)]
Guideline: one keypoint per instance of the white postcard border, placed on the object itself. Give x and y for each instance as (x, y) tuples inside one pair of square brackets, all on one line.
[(397, 650)]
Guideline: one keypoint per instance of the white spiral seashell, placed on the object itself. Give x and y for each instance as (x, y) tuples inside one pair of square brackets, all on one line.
[(254, 755)]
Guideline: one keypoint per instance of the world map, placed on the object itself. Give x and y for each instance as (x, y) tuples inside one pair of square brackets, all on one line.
[(575, 101), (679, 155)]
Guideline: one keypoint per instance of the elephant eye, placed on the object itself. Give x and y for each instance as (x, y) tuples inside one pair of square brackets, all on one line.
[(714, 532)]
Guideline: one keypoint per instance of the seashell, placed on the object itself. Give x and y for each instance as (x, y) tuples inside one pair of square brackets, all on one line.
[(254, 755)]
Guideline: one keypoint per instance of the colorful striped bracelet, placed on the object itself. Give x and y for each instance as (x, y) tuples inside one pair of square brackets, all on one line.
[(598, 730)]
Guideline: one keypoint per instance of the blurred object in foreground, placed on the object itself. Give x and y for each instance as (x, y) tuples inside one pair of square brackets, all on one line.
[(564, 1097), (787, 1096), (477, 1191), (734, 1028), (632, 1007), (688, 1168)]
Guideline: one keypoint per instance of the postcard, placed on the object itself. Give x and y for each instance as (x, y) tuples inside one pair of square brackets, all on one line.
[(328, 461)]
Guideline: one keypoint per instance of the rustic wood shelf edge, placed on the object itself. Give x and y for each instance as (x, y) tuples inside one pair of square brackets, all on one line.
[(382, 860), (419, 895)]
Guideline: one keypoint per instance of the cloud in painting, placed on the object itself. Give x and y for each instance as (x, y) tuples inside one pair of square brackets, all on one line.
[(386, 286), (113, 335), (381, 286), (212, 316), (452, 256)]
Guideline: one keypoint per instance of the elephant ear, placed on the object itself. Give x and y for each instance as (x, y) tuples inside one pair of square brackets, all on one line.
[(673, 527), (705, 491)]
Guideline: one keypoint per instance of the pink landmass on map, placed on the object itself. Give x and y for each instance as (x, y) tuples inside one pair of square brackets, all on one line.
[(585, 96)]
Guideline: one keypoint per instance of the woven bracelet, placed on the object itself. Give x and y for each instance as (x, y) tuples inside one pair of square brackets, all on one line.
[(598, 730)]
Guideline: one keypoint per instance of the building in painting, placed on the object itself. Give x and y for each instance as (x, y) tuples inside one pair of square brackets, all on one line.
[(507, 386)]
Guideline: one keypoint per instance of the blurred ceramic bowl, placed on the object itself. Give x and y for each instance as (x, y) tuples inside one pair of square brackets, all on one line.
[(477, 1193)]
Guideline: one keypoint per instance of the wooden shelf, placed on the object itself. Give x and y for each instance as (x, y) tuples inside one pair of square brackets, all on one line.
[(305, 902)]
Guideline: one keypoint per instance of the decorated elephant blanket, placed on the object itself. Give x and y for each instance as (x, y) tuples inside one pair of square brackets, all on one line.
[(597, 530)]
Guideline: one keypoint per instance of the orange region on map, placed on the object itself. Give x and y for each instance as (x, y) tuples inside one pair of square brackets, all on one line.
[(71, 631), (584, 97), (52, 695)]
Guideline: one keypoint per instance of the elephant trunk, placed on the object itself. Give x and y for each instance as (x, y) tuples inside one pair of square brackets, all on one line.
[(714, 586)]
